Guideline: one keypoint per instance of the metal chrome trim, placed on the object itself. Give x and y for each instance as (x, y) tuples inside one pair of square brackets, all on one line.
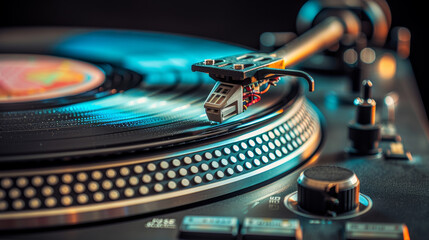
[(122, 208)]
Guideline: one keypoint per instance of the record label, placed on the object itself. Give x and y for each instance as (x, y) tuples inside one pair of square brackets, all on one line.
[(38, 77)]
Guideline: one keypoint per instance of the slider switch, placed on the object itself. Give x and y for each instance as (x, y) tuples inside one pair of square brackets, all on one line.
[(364, 133)]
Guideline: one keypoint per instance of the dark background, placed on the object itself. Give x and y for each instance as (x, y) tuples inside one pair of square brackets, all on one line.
[(239, 22)]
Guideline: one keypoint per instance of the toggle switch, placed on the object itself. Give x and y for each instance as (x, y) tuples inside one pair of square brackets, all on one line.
[(364, 132)]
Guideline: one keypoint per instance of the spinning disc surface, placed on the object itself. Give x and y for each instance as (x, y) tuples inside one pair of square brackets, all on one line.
[(165, 107)]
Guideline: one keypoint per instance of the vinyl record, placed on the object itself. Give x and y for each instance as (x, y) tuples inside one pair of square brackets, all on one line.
[(165, 109)]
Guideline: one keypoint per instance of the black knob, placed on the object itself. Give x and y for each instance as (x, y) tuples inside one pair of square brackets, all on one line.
[(328, 190), (364, 133)]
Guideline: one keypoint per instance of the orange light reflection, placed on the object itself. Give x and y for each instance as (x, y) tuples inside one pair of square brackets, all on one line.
[(387, 66)]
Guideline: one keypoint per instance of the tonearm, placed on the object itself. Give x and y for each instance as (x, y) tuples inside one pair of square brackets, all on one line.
[(241, 79)]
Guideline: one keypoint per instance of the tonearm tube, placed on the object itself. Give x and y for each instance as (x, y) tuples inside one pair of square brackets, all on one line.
[(241, 79)]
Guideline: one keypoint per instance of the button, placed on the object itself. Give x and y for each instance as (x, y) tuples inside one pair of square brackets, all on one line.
[(7, 183), (113, 195), (264, 159), (52, 180), (209, 227), (265, 137), (248, 165), (171, 185), (159, 176), (204, 167), (184, 182), (67, 178), (138, 169), (151, 167), (22, 182), (197, 179), (34, 203), (176, 162), (82, 198), (81, 177), (14, 193), (18, 204), (96, 175), (198, 158), (124, 171), (193, 169), (133, 181), (235, 148), (158, 187), (37, 181), (3, 205), (220, 174), (385, 231), (217, 153), (208, 155), (28, 192), (208, 177), (227, 151), (270, 228), (396, 151), (232, 159), (164, 165), (171, 174), (183, 172), (224, 162), (239, 168), (214, 164), (143, 190), (120, 183), (256, 162), (187, 160), (111, 173)]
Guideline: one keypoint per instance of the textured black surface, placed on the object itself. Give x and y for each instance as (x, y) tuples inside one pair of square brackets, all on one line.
[(328, 173)]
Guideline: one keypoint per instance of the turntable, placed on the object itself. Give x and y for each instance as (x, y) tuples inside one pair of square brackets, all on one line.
[(129, 134)]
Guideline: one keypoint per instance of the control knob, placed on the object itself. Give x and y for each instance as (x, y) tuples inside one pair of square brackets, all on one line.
[(328, 190)]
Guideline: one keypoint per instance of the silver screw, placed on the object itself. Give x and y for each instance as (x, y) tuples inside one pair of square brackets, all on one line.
[(209, 62), (238, 66)]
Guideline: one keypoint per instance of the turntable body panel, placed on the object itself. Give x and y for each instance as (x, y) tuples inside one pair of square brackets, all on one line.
[(397, 188)]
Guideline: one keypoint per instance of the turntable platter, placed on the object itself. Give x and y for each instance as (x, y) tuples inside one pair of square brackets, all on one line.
[(141, 142)]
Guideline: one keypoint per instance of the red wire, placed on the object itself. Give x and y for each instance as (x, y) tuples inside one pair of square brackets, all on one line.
[(252, 94), (258, 98)]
